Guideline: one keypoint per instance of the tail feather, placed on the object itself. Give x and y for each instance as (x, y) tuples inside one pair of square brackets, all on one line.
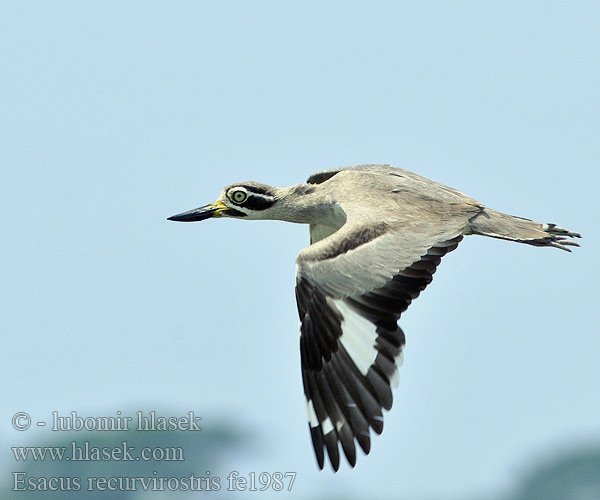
[(507, 227)]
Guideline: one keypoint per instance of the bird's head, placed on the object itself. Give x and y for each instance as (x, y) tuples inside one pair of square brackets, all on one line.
[(247, 200)]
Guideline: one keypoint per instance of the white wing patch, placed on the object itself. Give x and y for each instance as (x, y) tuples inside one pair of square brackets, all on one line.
[(327, 426), (312, 415), (395, 379), (358, 338)]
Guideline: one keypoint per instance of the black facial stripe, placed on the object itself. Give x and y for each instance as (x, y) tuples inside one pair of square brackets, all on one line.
[(258, 202)]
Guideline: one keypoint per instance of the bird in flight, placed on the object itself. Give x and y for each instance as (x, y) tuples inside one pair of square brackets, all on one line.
[(377, 235)]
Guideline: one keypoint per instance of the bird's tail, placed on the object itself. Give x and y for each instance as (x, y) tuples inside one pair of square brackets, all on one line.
[(498, 225)]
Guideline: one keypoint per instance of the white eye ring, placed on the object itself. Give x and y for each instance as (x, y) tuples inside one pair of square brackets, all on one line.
[(238, 196)]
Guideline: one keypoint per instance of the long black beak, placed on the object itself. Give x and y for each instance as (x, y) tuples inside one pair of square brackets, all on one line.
[(202, 213)]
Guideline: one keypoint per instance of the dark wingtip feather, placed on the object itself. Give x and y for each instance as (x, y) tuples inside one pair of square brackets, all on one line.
[(377, 423), (317, 439), (364, 440), (331, 443)]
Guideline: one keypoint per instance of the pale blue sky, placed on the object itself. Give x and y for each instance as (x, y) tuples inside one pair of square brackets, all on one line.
[(116, 115)]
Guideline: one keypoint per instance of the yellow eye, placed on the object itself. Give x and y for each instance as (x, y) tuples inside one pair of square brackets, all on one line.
[(238, 196)]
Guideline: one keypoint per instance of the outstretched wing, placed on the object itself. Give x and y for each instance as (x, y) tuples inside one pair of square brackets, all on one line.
[(353, 283), (351, 347)]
